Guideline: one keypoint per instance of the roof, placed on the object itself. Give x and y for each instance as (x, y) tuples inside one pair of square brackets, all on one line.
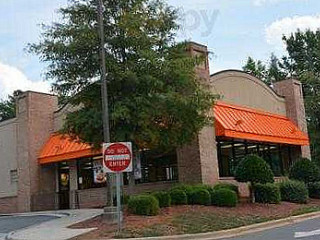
[(61, 147), (252, 124)]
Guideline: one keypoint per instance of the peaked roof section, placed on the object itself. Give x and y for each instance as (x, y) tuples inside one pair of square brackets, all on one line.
[(62, 148), (251, 124)]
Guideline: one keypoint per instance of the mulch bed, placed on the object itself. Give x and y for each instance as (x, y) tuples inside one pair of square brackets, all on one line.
[(134, 224)]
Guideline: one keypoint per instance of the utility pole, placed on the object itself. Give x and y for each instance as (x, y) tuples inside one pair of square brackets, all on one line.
[(104, 96)]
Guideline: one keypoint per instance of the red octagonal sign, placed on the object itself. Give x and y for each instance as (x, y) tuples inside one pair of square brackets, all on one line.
[(117, 157)]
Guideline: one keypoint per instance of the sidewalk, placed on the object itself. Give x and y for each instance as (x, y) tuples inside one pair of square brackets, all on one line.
[(56, 229)]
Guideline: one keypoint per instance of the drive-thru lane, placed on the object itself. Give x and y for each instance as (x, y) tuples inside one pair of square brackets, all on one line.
[(306, 230)]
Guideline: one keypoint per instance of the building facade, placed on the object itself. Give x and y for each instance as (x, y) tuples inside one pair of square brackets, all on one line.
[(41, 169)]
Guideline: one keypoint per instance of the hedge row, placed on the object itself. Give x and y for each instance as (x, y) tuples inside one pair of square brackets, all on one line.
[(224, 195)]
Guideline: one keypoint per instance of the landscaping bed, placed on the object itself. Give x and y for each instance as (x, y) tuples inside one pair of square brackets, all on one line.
[(188, 219)]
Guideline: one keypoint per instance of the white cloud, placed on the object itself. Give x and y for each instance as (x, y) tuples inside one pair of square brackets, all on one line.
[(285, 26), (12, 79), (263, 2)]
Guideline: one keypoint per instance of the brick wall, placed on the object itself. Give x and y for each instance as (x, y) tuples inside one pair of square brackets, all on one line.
[(8, 205), (35, 123)]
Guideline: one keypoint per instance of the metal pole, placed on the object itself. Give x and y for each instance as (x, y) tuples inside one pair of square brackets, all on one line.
[(119, 200), (104, 96)]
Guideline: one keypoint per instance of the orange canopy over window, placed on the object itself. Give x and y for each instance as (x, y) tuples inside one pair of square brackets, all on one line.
[(251, 124), (62, 148)]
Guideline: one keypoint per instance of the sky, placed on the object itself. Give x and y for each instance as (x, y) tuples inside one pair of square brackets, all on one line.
[(232, 30)]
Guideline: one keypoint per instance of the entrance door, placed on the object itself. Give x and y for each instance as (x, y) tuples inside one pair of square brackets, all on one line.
[(64, 186)]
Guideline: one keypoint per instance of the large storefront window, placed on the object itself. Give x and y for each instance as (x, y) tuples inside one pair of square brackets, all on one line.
[(231, 152), (90, 173), (157, 167)]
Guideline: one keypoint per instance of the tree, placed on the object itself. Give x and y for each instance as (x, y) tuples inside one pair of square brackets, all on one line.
[(155, 98), (269, 73), (255, 170), (8, 107), (256, 68)]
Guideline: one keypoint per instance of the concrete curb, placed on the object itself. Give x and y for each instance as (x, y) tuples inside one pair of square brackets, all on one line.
[(236, 232)]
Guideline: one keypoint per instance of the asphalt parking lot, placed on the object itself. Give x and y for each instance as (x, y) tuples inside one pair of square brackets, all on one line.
[(13, 223)]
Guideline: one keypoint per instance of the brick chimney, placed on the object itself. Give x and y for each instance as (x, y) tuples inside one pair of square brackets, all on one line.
[(291, 89)]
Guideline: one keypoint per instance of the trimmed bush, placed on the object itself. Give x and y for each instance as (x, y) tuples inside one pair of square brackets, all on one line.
[(314, 190), (224, 198), (143, 205), (267, 193), (304, 170), (229, 186), (254, 169), (163, 198), (293, 191), (178, 197), (188, 189), (201, 196)]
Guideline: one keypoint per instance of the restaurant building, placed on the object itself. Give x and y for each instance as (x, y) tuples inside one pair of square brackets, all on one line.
[(41, 169)]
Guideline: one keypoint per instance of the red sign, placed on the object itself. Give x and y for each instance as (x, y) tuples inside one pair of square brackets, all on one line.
[(117, 157)]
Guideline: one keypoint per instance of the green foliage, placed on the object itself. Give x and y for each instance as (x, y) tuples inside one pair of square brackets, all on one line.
[(293, 191), (253, 169), (229, 186), (143, 205), (201, 196), (267, 193), (268, 73), (178, 197), (314, 190), (188, 189), (163, 198), (8, 107), (224, 198), (304, 170), (155, 98)]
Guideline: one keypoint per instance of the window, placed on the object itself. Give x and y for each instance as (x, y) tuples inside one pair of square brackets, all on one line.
[(157, 167), (14, 176), (90, 173), (231, 152)]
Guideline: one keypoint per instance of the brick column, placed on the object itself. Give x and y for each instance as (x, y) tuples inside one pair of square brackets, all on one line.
[(198, 161), (73, 174), (291, 89), (35, 123)]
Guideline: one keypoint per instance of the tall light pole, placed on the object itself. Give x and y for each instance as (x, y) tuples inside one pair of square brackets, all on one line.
[(104, 95)]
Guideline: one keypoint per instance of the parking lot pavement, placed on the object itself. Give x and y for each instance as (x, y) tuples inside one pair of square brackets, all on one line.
[(13, 223), (306, 230)]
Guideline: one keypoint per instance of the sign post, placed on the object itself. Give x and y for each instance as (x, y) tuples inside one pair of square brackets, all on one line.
[(117, 158)]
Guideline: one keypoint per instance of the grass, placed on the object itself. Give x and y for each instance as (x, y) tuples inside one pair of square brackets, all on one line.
[(306, 209), (191, 223)]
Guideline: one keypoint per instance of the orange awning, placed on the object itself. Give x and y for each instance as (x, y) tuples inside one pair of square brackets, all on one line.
[(251, 124), (62, 148)]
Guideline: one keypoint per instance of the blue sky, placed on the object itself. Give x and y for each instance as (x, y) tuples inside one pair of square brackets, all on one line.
[(232, 30)]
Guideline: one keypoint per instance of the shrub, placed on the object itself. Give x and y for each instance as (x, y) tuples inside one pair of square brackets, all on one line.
[(201, 196), (178, 197), (188, 189), (304, 170), (163, 198), (293, 191), (253, 169), (143, 205), (229, 186), (267, 193), (314, 190), (224, 198)]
